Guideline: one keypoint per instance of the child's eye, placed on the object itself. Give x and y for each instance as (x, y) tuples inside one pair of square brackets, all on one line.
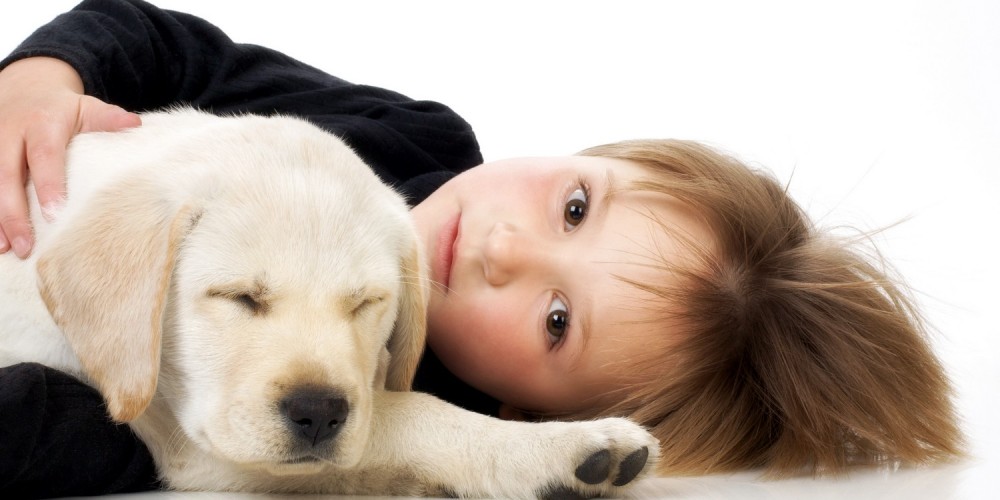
[(556, 321), (576, 207)]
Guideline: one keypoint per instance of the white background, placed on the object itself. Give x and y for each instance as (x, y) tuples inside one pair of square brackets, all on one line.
[(884, 112)]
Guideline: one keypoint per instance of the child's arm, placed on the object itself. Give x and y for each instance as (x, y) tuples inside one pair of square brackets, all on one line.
[(56, 439)]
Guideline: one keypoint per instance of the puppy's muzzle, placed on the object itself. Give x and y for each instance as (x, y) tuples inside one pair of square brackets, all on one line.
[(314, 415)]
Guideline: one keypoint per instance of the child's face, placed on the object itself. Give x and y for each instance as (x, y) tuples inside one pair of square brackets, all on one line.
[(524, 255)]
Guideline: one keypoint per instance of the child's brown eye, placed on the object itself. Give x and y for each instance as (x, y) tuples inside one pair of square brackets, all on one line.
[(576, 208), (557, 321)]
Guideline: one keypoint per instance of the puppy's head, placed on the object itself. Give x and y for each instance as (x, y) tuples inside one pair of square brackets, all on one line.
[(261, 310)]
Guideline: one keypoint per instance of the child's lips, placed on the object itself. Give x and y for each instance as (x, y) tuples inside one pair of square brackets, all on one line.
[(447, 244)]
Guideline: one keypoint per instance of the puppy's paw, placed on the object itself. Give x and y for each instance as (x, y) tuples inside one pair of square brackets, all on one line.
[(599, 459)]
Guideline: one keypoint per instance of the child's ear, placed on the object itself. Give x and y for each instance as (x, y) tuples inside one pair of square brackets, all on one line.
[(508, 412)]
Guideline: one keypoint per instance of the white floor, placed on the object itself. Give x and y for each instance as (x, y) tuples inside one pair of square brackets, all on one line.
[(959, 482), (875, 111), (972, 480)]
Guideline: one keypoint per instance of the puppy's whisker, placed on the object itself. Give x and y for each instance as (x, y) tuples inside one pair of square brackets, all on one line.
[(176, 441), (433, 284)]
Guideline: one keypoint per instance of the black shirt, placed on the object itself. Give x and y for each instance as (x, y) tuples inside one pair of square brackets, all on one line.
[(55, 438)]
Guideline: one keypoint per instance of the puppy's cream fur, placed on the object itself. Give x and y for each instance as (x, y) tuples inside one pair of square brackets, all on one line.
[(205, 268)]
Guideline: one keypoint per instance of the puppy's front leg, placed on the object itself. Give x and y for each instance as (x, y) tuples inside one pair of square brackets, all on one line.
[(444, 449)]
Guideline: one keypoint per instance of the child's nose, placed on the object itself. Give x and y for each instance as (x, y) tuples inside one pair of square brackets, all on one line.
[(510, 252)]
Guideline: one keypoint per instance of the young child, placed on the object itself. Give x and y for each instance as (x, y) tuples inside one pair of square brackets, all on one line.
[(658, 279)]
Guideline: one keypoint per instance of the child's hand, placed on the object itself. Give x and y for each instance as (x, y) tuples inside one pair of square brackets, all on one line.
[(42, 107)]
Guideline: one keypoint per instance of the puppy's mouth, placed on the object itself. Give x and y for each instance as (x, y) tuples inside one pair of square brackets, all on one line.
[(309, 459), (298, 466)]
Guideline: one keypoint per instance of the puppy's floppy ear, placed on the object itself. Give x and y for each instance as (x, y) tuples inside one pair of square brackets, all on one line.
[(406, 345), (105, 281)]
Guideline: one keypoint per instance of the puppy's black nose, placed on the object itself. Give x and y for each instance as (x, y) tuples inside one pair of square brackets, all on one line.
[(314, 415)]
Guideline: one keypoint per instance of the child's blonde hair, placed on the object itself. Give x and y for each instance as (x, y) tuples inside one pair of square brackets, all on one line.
[(799, 352)]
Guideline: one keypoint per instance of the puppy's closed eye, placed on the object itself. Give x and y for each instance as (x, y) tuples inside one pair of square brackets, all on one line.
[(362, 301), (251, 303), (253, 299)]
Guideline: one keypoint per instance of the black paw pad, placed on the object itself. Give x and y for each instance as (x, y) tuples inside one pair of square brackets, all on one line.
[(631, 466), (596, 468), (562, 493)]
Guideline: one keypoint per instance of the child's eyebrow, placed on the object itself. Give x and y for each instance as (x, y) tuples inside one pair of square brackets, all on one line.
[(585, 329), (608, 196), (582, 319)]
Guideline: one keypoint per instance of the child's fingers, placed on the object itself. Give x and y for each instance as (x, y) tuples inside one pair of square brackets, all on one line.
[(99, 116), (46, 145), (45, 150), (15, 229)]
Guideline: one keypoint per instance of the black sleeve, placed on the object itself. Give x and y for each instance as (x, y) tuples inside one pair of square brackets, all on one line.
[(56, 439), (433, 378), (140, 57)]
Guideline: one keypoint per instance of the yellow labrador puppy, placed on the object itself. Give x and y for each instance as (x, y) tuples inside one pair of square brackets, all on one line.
[(248, 296)]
